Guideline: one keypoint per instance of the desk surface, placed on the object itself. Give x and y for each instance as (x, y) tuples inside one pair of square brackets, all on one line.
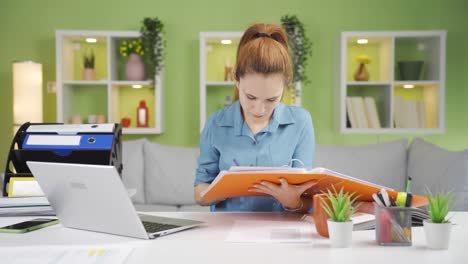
[(207, 244)]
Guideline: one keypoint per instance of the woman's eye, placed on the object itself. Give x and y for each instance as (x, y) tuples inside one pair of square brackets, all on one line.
[(271, 100), (251, 97)]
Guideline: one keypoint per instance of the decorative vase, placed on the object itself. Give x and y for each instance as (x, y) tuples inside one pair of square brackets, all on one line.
[(134, 69), (437, 234), (88, 74), (320, 215), (410, 70), (340, 233), (361, 74)]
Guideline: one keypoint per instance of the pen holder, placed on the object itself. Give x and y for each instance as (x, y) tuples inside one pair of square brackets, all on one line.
[(393, 225)]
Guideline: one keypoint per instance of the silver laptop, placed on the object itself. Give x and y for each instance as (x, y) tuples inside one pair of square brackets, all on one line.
[(93, 197)]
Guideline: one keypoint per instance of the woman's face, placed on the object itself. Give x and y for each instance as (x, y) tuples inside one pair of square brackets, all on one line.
[(259, 94)]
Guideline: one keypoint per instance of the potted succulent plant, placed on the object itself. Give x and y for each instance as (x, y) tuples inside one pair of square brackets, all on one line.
[(340, 227), (438, 227), (89, 73)]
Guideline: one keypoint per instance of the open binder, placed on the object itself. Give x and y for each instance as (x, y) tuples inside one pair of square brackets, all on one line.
[(238, 180)]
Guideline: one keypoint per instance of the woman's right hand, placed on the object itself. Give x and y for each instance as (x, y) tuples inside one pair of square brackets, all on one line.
[(204, 202)]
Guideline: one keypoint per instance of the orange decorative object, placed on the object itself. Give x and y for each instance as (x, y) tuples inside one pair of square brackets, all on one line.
[(320, 215)]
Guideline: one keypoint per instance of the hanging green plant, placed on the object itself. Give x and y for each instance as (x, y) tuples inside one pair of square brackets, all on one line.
[(299, 45), (153, 41)]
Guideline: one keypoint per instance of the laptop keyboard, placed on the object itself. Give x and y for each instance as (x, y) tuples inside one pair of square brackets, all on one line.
[(152, 227)]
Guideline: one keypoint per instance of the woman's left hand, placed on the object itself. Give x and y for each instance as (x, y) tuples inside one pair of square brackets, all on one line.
[(288, 195)]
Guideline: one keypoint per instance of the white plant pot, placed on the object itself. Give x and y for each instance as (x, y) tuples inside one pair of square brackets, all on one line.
[(437, 235), (340, 233)]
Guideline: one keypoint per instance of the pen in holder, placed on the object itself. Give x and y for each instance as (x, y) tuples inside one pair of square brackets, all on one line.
[(393, 225)]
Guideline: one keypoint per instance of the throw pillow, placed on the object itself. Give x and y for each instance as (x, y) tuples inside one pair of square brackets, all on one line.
[(132, 174), (169, 174), (439, 170), (383, 163)]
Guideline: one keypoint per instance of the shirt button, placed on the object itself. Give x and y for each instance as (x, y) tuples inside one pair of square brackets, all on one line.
[(255, 142)]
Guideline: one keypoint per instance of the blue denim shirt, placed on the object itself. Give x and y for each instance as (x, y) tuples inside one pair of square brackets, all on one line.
[(225, 137)]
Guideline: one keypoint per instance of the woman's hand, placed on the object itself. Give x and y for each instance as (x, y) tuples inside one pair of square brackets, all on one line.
[(287, 194)]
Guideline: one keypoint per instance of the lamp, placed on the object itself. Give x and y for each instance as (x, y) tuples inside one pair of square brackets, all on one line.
[(27, 93)]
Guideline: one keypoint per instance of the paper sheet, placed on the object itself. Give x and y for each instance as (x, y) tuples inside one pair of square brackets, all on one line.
[(69, 255), (271, 232)]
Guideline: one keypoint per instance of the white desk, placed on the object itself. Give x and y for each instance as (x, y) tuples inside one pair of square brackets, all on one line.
[(207, 244)]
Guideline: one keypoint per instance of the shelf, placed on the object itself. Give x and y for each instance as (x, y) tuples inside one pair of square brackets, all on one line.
[(417, 82), (355, 83), (214, 57), (100, 82), (392, 131), (220, 83), (408, 98), (131, 82), (110, 95)]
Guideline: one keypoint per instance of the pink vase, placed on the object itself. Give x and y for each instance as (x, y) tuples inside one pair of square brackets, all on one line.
[(134, 69)]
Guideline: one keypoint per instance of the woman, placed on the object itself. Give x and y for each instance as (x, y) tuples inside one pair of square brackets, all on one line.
[(257, 129)]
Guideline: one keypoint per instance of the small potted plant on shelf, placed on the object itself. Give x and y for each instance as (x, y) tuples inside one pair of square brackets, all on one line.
[(438, 227), (89, 73), (152, 33), (134, 68), (300, 48), (340, 210)]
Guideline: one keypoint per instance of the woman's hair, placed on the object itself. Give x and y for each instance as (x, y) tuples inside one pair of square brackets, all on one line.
[(263, 49)]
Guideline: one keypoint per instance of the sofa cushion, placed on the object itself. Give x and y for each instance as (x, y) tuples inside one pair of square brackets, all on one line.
[(132, 174), (194, 208), (440, 170), (169, 174), (383, 163), (156, 208)]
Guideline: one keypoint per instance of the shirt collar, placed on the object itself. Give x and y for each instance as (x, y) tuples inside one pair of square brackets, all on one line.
[(233, 118)]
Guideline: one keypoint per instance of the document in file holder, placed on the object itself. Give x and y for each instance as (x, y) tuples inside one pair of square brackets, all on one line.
[(236, 182)]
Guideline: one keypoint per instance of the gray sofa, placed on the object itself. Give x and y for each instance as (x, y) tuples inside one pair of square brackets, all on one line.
[(163, 175)]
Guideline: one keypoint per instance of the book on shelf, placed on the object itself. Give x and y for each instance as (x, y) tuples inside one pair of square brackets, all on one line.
[(371, 112), (359, 111), (409, 113), (236, 182), (350, 112)]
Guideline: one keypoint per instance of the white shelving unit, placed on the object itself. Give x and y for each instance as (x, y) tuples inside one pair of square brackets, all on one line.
[(386, 50), (213, 55), (110, 94)]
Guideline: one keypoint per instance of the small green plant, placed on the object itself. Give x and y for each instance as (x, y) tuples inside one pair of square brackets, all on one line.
[(131, 46), (341, 208), (440, 205), (88, 60), (299, 44), (152, 32)]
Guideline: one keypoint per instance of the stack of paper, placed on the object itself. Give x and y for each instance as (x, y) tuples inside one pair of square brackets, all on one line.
[(24, 206), (363, 221)]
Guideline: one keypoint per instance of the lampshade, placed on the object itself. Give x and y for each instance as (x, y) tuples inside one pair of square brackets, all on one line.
[(27, 93)]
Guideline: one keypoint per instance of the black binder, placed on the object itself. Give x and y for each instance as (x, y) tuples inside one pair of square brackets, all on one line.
[(111, 154)]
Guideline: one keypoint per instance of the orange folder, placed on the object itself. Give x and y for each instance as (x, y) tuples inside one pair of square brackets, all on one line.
[(237, 183)]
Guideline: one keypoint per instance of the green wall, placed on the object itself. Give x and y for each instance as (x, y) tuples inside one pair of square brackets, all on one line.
[(28, 26)]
